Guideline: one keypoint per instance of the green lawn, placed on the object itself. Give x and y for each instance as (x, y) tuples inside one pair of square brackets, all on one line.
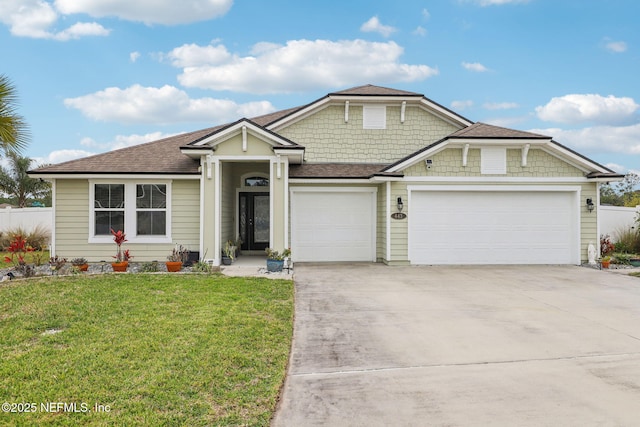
[(193, 350)]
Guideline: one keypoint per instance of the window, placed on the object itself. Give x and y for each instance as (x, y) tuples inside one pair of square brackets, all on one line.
[(256, 181), (151, 209), (493, 161), (374, 117), (108, 208), (140, 209)]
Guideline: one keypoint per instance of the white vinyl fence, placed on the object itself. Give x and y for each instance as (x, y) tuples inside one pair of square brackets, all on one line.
[(26, 218), (614, 218)]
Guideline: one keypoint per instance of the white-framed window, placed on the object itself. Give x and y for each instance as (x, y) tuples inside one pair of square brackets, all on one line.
[(374, 117), (141, 209), (493, 160)]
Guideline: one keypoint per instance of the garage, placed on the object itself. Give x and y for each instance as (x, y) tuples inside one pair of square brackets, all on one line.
[(494, 225), (331, 224)]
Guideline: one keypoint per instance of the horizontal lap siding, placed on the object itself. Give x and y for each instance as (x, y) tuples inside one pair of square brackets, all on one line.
[(72, 223)]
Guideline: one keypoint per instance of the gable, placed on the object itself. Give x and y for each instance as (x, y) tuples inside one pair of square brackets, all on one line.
[(327, 137), (233, 146), (448, 162)]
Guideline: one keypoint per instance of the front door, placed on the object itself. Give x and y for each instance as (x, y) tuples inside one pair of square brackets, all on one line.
[(254, 221)]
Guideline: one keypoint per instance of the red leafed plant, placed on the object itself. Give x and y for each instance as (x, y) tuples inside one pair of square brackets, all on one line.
[(18, 248), (119, 237)]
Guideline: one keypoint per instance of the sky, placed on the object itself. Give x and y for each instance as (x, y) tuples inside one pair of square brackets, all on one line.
[(97, 75)]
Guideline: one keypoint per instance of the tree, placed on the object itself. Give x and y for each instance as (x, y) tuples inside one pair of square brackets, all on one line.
[(15, 182), (14, 132), (624, 192)]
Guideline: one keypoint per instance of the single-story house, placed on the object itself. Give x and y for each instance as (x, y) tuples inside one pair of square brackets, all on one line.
[(364, 174)]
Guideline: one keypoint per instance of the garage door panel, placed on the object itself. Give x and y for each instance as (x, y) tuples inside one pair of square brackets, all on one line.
[(460, 227), (333, 225)]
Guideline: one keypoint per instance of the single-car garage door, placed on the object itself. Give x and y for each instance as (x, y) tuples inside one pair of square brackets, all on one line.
[(333, 225), (494, 227)]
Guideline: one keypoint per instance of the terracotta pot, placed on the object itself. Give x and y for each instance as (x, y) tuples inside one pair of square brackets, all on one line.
[(82, 267), (173, 266), (605, 264), (120, 266)]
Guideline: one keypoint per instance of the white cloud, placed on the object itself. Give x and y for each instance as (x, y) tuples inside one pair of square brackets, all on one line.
[(616, 47), (374, 25), (461, 105), (578, 108), (297, 66), (60, 156), (614, 139), (133, 56), (616, 167), (123, 141), (500, 105), (426, 14), (36, 19), (420, 31), (475, 66), (167, 12), (138, 104)]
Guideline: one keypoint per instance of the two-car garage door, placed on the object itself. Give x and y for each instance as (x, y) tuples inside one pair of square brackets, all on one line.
[(500, 226)]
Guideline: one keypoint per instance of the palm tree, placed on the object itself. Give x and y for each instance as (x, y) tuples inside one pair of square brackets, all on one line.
[(15, 182), (14, 132)]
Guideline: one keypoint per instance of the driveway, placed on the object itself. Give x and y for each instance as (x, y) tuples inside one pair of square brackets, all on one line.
[(463, 346)]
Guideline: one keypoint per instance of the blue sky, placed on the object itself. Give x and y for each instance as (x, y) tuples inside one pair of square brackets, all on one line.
[(95, 75)]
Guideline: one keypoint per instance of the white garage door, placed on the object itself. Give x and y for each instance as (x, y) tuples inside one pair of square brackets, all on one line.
[(493, 227), (330, 225)]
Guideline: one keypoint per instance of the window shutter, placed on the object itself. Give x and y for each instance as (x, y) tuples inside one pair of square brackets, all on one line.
[(374, 117), (493, 161)]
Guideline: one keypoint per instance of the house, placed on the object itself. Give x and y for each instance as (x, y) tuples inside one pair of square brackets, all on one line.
[(364, 174)]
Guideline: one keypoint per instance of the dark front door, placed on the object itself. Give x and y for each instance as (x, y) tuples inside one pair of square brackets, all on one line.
[(254, 221)]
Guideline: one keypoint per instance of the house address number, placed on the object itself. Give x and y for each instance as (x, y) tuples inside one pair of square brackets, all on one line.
[(398, 215)]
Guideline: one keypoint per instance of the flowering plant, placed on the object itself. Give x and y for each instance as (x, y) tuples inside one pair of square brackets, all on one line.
[(119, 237), (18, 248)]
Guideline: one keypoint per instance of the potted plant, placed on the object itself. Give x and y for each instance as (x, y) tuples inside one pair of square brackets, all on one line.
[(228, 253), (606, 262), (80, 263), (122, 257), (179, 255), (56, 263), (275, 259)]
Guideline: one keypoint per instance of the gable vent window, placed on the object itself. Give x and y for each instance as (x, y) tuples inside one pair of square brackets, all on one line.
[(493, 161), (374, 117)]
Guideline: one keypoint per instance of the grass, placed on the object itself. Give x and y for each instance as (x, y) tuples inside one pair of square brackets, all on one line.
[(190, 350)]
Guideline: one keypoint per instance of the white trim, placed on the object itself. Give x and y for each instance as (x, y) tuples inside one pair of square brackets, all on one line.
[(217, 244), (223, 135), (597, 212), (525, 154), (271, 184), (130, 211), (323, 181), (287, 243), (576, 190), (497, 179), (388, 221), (52, 250), (465, 155), (333, 189), (346, 111), (120, 176), (244, 138), (245, 159), (402, 111), (244, 177), (573, 159), (299, 115), (202, 201)]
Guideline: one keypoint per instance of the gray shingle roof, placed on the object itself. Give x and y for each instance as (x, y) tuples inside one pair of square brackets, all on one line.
[(371, 90), (483, 130), (335, 170)]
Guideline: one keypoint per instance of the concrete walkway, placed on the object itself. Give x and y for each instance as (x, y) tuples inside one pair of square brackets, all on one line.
[(463, 346)]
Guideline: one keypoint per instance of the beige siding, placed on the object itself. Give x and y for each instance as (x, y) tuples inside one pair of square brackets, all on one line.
[(72, 223), (327, 138), (233, 147), (399, 228), (589, 221), (448, 162)]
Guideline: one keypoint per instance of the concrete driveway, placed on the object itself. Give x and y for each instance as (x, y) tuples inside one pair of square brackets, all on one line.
[(463, 346)]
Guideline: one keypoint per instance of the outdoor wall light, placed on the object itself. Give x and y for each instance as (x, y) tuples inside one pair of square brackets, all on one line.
[(400, 205), (590, 205)]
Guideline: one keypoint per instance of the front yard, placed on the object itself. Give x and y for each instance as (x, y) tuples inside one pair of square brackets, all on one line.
[(143, 349)]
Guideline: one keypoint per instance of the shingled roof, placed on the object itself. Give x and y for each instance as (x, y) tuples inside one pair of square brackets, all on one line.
[(483, 130), (371, 90), (335, 170)]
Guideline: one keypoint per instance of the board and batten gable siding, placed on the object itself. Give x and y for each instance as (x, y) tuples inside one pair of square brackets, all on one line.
[(327, 138), (72, 223)]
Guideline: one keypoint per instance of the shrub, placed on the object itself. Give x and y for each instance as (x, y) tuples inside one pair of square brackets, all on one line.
[(38, 238), (627, 240), (606, 247)]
